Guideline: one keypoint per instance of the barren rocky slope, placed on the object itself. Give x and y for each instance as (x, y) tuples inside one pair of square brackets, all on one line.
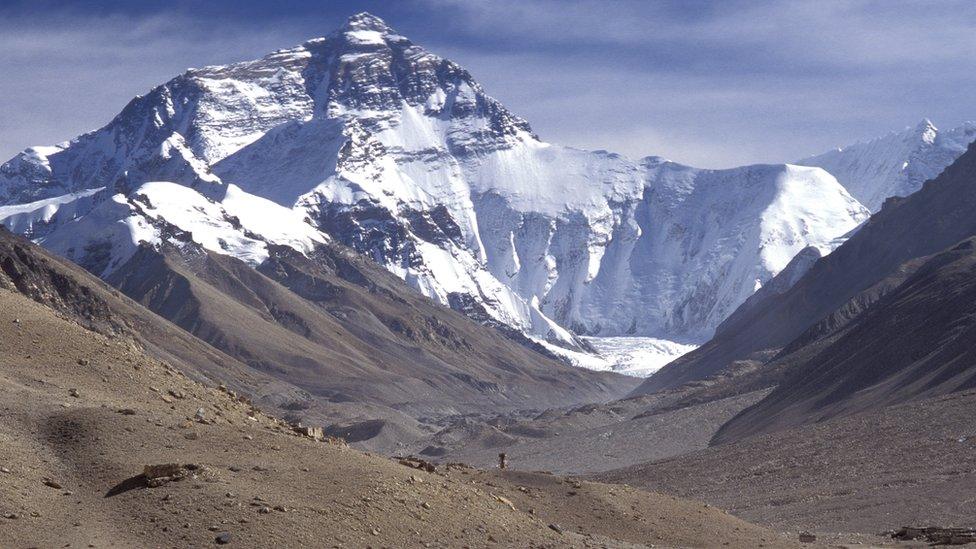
[(916, 341), (911, 464), (83, 414), (358, 346)]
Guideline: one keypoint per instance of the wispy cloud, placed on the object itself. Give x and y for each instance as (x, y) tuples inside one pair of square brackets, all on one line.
[(722, 83), (707, 83)]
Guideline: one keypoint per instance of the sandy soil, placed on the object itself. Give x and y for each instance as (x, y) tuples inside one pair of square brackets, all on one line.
[(83, 414), (907, 465)]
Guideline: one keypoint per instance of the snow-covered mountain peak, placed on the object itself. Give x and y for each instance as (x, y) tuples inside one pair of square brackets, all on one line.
[(367, 138), (366, 21), (896, 164), (926, 131)]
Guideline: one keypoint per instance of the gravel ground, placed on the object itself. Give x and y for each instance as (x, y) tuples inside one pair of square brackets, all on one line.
[(83, 414), (913, 464)]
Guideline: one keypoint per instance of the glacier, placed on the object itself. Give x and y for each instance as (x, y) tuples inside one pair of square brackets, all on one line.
[(366, 139)]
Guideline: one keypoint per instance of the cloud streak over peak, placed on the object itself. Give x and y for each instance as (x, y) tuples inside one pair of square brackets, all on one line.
[(708, 83)]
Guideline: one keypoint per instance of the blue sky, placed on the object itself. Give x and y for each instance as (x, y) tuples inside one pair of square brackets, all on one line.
[(711, 84)]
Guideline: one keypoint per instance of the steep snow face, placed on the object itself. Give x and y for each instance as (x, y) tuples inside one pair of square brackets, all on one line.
[(700, 242), (373, 141), (896, 164)]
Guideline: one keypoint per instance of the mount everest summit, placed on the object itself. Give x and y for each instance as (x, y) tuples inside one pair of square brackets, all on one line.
[(366, 139)]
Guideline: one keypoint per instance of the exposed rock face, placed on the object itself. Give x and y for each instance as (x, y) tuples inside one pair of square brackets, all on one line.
[(368, 139)]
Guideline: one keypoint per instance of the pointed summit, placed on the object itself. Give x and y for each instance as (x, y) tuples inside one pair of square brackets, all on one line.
[(365, 21), (926, 131), (364, 31), (925, 124)]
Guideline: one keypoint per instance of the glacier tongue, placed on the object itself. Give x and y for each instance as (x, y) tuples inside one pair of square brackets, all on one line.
[(368, 139), (629, 355)]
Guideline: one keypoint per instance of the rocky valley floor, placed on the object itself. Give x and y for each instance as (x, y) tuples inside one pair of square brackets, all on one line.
[(850, 481), (865, 474), (83, 414)]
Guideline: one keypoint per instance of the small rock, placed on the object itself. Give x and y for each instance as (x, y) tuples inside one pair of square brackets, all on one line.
[(52, 484), (192, 435), (315, 433), (234, 469), (264, 510), (4, 470), (73, 392), (83, 362), (556, 528), (157, 475), (11, 516), (16, 321), (807, 537), (127, 412), (201, 415), (281, 508), (177, 394), (222, 538), (248, 437), (505, 501)]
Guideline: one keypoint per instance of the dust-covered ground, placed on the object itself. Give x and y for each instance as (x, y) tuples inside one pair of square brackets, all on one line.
[(83, 414), (913, 464), (593, 438)]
